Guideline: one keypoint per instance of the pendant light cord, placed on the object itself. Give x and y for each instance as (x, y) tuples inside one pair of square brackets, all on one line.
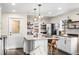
[(39, 8), (34, 12)]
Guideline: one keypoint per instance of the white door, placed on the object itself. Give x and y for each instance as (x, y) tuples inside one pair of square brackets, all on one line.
[(15, 39)]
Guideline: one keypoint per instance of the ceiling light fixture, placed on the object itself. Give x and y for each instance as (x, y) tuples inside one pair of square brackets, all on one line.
[(59, 8), (39, 5), (0, 8), (49, 13), (13, 4), (13, 10), (35, 18)]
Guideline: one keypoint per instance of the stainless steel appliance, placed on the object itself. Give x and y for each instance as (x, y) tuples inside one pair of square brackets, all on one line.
[(50, 28)]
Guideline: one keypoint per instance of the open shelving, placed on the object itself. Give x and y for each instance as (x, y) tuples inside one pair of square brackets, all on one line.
[(73, 25)]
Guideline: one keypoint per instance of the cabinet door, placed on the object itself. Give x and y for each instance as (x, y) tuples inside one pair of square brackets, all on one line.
[(71, 45), (41, 47), (68, 45), (26, 47), (37, 43), (74, 45), (61, 43), (63, 46)]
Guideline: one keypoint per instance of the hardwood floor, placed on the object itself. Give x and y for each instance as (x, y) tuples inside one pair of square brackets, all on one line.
[(18, 51), (59, 52)]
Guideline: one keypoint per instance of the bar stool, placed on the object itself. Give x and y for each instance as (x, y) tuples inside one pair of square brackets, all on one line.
[(53, 45)]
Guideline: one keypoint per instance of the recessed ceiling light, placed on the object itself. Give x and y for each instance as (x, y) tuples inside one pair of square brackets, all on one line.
[(13, 10), (35, 19), (13, 4), (0, 7), (49, 12), (59, 8)]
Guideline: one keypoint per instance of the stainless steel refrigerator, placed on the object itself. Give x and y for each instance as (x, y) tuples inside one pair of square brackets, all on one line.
[(50, 28)]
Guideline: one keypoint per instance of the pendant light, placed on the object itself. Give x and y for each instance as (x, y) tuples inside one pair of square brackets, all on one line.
[(39, 5), (35, 18)]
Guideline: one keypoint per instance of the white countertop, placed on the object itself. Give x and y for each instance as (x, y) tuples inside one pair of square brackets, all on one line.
[(37, 38), (44, 38)]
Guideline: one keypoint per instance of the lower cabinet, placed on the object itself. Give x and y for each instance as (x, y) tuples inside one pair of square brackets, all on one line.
[(36, 47), (68, 44), (61, 43), (40, 47), (26, 46)]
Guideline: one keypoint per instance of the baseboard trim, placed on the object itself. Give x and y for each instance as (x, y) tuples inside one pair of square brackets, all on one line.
[(26, 54), (14, 48), (64, 52)]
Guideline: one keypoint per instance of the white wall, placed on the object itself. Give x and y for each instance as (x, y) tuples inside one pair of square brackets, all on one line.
[(1, 41), (72, 15), (18, 42), (5, 17), (0, 22)]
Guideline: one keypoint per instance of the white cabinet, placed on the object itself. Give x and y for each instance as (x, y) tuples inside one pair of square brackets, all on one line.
[(39, 51), (36, 47), (68, 44), (71, 45), (61, 43), (41, 47), (25, 47), (28, 46)]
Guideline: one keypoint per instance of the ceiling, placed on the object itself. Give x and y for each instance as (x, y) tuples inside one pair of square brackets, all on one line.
[(47, 9)]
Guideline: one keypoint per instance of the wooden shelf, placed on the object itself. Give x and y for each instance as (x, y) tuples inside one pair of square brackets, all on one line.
[(73, 25)]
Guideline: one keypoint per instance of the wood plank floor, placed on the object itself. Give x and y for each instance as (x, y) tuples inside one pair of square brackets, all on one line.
[(58, 52), (15, 52), (20, 52)]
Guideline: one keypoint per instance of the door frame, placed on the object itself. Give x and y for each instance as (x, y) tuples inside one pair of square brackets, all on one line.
[(12, 17), (8, 34)]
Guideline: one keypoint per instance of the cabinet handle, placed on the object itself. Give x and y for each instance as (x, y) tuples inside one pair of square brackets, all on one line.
[(65, 42)]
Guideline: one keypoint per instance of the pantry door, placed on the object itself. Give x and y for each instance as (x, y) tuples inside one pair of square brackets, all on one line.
[(14, 36)]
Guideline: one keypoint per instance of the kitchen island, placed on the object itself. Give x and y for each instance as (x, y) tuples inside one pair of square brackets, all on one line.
[(39, 46), (36, 46)]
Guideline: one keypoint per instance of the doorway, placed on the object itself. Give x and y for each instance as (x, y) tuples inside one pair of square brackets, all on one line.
[(14, 39)]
